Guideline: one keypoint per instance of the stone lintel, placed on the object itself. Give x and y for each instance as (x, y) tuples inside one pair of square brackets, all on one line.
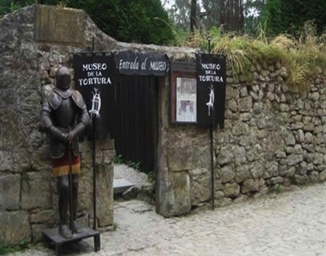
[(60, 25)]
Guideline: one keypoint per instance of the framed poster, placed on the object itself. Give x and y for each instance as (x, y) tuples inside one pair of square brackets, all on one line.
[(183, 93), (186, 99)]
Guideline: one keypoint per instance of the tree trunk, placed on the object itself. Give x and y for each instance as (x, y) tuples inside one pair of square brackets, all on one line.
[(193, 20)]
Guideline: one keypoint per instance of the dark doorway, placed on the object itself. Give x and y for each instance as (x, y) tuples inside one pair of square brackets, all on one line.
[(135, 131)]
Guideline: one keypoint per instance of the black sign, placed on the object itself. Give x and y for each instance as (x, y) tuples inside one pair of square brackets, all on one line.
[(131, 63), (211, 80), (94, 79)]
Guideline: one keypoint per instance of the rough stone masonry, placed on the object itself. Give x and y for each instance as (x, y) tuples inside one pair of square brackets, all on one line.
[(274, 136)]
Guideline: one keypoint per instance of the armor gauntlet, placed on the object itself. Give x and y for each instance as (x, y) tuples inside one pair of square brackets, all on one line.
[(57, 134)]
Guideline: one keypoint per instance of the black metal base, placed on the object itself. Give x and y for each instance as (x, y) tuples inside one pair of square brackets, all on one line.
[(51, 236)]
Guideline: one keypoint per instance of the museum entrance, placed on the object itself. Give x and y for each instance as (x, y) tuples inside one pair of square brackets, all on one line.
[(136, 122), (122, 90)]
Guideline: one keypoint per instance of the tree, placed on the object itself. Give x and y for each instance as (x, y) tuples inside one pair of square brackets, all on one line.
[(253, 10), (226, 14), (180, 13), (141, 21), (193, 16), (283, 16)]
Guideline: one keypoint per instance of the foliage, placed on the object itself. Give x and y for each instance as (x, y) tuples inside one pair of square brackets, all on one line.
[(124, 20), (151, 177), (134, 165), (302, 57), (283, 16), (115, 226), (119, 159), (21, 246)]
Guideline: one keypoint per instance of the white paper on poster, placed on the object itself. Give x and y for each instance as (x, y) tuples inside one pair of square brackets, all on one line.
[(186, 100)]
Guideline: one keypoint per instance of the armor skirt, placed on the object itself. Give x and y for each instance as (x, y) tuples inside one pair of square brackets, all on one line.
[(61, 165)]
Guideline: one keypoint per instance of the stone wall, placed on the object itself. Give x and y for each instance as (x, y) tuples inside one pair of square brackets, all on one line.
[(28, 62), (274, 137)]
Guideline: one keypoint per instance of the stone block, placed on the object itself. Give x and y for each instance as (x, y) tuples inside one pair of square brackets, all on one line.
[(271, 170), (239, 155), (231, 190), (286, 171), (227, 174), (14, 228), (60, 25), (42, 216), (36, 192), (245, 104), (222, 202), (257, 170), (294, 159), (240, 129), (219, 194), (107, 144), (289, 138), (314, 177), (175, 198), (318, 159), (179, 159), (6, 159), (242, 173), (301, 179), (104, 199), (108, 156), (200, 185), (322, 176), (225, 156), (250, 186), (41, 159), (10, 192), (37, 231), (275, 180), (10, 134)]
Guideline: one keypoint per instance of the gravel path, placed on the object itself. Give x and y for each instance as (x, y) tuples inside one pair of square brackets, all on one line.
[(291, 223)]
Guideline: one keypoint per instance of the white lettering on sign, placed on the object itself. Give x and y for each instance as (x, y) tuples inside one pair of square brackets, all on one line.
[(96, 74), (158, 65), (209, 78), (132, 65), (211, 66), (94, 80), (94, 66)]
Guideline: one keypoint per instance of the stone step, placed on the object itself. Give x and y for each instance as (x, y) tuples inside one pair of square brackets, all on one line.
[(121, 185)]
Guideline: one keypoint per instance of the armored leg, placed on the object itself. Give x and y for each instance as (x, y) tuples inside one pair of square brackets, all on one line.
[(75, 227), (63, 191)]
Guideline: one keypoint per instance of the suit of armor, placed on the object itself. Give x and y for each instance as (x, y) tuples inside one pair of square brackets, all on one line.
[(64, 118)]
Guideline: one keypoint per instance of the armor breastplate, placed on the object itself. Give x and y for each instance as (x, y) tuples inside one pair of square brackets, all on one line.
[(65, 114)]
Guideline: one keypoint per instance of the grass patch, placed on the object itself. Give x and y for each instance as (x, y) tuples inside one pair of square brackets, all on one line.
[(303, 55), (119, 159), (12, 249)]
